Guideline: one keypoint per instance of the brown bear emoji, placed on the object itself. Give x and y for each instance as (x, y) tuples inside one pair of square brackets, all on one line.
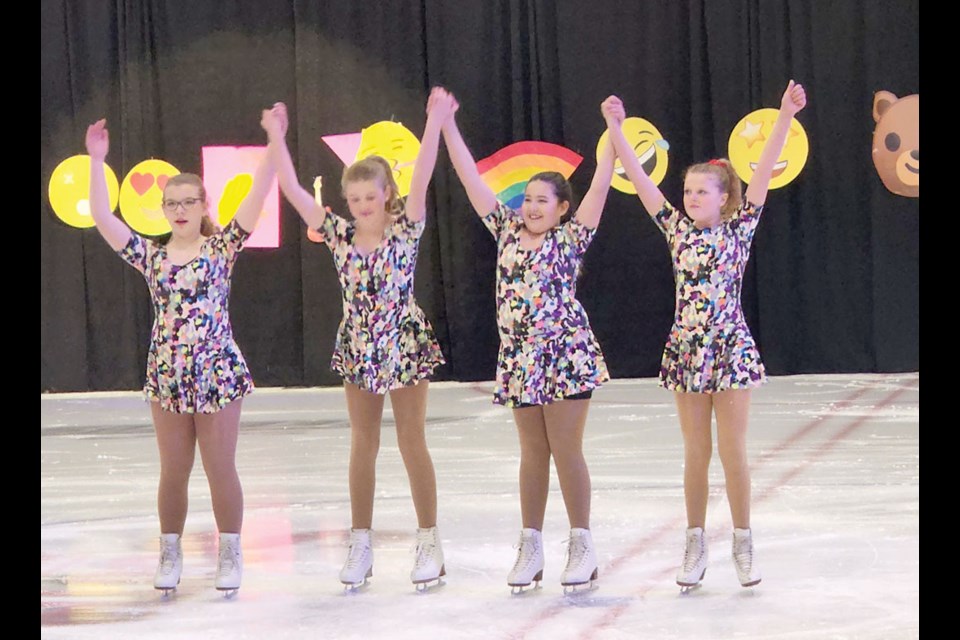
[(896, 142)]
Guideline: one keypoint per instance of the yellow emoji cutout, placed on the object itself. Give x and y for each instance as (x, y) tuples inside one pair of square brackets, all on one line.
[(394, 143), (748, 139), (651, 150), (141, 196), (233, 194), (69, 191)]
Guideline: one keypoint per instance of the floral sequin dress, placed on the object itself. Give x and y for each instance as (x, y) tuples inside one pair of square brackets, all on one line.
[(193, 365), (384, 341), (547, 350), (709, 348)]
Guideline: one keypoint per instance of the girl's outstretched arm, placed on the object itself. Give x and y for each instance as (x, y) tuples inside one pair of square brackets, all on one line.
[(591, 207), (651, 197), (249, 211), (482, 197), (437, 112), (794, 99), (275, 122), (113, 230)]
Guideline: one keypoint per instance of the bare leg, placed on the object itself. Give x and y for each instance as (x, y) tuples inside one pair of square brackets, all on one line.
[(732, 408), (695, 423), (217, 437), (534, 465), (410, 414), (366, 412), (565, 421), (177, 442)]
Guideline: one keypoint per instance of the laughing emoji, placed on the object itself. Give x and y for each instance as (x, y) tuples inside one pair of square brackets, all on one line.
[(649, 146)]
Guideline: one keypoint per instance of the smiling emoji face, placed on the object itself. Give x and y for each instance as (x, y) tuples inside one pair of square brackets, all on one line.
[(896, 142), (141, 196), (394, 143), (69, 191), (748, 138), (648, 145)]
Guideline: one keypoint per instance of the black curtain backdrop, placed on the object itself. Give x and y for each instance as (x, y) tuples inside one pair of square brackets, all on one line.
[(833, 284)]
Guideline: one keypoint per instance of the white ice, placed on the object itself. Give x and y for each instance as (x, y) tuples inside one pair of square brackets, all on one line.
[(836, 519)]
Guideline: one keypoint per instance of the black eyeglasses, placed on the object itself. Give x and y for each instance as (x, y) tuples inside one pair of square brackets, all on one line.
[(187, 203)]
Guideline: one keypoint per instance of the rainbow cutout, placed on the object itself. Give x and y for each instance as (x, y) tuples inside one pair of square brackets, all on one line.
[(508, 170)]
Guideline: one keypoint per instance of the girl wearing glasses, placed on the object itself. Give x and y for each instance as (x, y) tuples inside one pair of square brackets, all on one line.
[(196, 376)]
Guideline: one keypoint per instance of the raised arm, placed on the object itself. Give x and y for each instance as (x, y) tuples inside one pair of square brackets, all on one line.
[(651, 197), (437, 112), (113, 230), (591, 207), (249, 211), (482, 197), (275, 122), (794, 99)]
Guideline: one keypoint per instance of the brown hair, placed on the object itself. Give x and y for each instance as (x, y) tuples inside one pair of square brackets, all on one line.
[(207, 226), (374, 168), (722, 170), (561, 189)]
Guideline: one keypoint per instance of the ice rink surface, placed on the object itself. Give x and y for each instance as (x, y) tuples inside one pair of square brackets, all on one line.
[(836, 520)]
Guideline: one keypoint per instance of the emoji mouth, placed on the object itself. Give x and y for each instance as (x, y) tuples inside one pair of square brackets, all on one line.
[(778, 168), (151, 214), (915, 170), (648, 160)]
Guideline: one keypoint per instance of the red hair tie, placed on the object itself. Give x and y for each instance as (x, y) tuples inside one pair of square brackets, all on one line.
[(715, 162)]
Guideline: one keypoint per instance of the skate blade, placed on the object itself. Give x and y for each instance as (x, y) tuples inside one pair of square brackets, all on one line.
[(350, 588), (166, 592), (687, 586), (752, 583), (581, 587), (228, 593), (427, 586), (578, 589), (520, 589)]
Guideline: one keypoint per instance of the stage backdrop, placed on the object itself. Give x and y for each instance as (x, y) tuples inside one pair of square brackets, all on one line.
[(833, 283)]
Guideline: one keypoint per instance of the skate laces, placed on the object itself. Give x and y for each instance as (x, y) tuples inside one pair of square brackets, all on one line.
[(576, 551), (526, 552), (693, 552), (168, 558), (356, 553), (743, 553), (424, 552), (227, 562)]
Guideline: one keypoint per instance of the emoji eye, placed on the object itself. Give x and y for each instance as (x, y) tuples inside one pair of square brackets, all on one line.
[(892, 141)]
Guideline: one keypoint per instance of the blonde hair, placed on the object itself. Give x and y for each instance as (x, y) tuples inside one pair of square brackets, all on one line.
[(727, 179), (374, 168), (207, 226)]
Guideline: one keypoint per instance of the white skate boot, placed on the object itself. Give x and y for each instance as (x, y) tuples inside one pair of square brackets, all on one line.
[(581, 562), (359, 564), (229, 564), (171, 564), (428, 566), (529, 565), (694, 564), (743, 559)]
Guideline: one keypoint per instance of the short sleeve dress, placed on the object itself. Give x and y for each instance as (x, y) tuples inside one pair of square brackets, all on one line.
[(384, 341), (547, 350), (193, 364), (710, 347)]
